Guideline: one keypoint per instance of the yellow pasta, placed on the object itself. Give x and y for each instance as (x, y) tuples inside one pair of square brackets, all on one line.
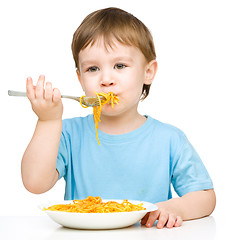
[(108, 97), (96, 205)]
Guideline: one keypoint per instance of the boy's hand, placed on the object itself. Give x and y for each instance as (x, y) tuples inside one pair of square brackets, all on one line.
[(164, 217), (46, 103)]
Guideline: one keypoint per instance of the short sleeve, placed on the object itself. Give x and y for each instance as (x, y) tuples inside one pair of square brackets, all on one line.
[(62, 157), (189, 173)]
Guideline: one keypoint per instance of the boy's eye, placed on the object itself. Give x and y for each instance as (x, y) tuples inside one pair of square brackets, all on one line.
[(93, 69), (119, 66)]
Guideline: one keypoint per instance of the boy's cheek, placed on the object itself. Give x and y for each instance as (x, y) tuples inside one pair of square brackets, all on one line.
[(90, 88)]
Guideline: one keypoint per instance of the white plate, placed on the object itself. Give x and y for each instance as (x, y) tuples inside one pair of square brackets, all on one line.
[(98, 220)]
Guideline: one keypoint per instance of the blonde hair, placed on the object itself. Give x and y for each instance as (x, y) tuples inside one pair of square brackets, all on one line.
[(114, 23)]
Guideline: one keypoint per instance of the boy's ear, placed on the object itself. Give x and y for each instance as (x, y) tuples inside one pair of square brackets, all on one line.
[(79, 78), (150, 71)]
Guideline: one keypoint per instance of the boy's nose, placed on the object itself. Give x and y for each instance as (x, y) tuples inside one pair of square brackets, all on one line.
[(107, 81)]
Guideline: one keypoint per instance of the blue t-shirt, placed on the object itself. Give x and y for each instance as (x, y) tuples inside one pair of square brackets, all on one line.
[(139, 165)]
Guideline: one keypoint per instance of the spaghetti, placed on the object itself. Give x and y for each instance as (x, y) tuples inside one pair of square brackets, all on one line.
[(96, 205), (108, 98)]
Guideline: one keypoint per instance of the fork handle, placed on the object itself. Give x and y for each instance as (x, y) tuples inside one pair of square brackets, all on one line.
[(17, 93), (24, 94), (71, 97)]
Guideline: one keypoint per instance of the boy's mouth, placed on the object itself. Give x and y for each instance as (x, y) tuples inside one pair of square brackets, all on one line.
[(110, 98), (115, 94)]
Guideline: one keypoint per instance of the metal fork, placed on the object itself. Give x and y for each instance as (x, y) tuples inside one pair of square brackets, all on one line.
[(88, 101)]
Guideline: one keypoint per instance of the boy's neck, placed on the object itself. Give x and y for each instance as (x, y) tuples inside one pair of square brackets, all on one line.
[(121, 124)]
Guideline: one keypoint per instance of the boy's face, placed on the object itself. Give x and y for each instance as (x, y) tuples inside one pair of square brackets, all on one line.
[(121, 69)]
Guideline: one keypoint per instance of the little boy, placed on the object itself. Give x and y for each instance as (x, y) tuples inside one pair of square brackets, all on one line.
[(139, 157)]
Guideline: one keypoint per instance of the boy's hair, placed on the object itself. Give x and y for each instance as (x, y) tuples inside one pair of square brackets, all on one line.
[(111, 24)]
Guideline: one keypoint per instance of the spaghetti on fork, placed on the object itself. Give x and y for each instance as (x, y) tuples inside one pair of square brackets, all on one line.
[(108, 98)]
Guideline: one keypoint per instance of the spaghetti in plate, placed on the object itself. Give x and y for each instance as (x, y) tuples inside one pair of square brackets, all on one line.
[(107, 220), (96, 205)]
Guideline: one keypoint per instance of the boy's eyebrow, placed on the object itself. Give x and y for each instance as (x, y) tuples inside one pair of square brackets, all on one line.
[(124, 58), (119, 58), (88, 62), (84, 63)]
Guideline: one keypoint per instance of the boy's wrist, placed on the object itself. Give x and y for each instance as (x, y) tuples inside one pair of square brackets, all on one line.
[(50, 120), (55, 124)]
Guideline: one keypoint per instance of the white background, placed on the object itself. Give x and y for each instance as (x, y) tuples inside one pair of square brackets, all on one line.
[(188, 90)]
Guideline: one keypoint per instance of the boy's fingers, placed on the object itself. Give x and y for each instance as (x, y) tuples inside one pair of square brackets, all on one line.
[(56, 95), (48, 91), (144, 219), (153, 216), (163, 218), (40, 87), (171, 221), (178, 222), (30, 89)]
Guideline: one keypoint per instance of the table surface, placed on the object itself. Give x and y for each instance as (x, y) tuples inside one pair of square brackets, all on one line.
[(42, 227)]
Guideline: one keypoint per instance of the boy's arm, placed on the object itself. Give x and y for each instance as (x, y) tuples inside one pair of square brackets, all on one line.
[(192, 205), (38, 167)]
